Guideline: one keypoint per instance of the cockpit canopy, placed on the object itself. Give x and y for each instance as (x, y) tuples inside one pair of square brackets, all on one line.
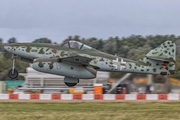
[(76, 45)]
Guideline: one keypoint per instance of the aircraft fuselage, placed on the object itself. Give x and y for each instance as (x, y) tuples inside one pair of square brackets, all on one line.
[(100, 61)]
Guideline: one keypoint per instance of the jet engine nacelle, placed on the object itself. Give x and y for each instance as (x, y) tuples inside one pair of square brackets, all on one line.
[(51, 65)]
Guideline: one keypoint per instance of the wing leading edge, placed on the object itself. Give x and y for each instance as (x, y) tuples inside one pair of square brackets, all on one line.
[(76, 59)]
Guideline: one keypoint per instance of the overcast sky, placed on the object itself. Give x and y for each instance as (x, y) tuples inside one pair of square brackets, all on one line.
[(56, 19)]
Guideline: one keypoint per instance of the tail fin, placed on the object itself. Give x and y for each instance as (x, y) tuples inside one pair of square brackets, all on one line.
[(162, 59), (164, 52)]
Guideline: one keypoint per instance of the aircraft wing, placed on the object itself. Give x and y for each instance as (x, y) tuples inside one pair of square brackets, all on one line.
[(76, 59)]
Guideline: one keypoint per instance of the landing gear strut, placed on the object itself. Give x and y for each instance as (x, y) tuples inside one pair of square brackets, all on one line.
[(13, 73)]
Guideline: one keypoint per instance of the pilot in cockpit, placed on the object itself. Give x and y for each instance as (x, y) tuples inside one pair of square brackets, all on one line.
[(76, 45)]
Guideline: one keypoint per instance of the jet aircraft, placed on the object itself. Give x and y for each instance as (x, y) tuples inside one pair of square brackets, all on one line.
[(75, 60)]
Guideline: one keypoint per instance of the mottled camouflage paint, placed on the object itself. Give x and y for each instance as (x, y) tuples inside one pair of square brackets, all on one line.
[(160, 60)]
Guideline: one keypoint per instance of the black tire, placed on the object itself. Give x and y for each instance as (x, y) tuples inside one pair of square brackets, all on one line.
[(70, 84), (13, 76)]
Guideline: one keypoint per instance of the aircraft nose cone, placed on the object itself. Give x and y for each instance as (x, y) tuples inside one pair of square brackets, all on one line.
[(7, 47)]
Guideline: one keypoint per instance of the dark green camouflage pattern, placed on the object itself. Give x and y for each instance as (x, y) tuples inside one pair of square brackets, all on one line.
[(51, 58)]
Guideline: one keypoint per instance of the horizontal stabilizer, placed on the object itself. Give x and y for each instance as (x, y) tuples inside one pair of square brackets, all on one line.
[(160, 59)]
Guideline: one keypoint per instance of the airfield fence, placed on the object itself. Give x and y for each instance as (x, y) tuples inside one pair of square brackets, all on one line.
[(91, 97)]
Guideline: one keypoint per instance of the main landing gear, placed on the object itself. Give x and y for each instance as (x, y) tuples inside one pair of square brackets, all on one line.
[(70, 84), (13, 73), (70, 81)]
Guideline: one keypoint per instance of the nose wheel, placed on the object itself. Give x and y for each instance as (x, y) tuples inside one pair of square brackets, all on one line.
[(13, 73)]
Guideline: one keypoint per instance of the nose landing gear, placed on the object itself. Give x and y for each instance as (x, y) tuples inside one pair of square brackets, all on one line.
[(13, 73)]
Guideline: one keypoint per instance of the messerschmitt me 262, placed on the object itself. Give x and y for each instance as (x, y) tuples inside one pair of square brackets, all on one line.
[(75, 60)]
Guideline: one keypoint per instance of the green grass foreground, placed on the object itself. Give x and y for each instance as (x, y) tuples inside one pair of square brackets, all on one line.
[(90, 111)]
